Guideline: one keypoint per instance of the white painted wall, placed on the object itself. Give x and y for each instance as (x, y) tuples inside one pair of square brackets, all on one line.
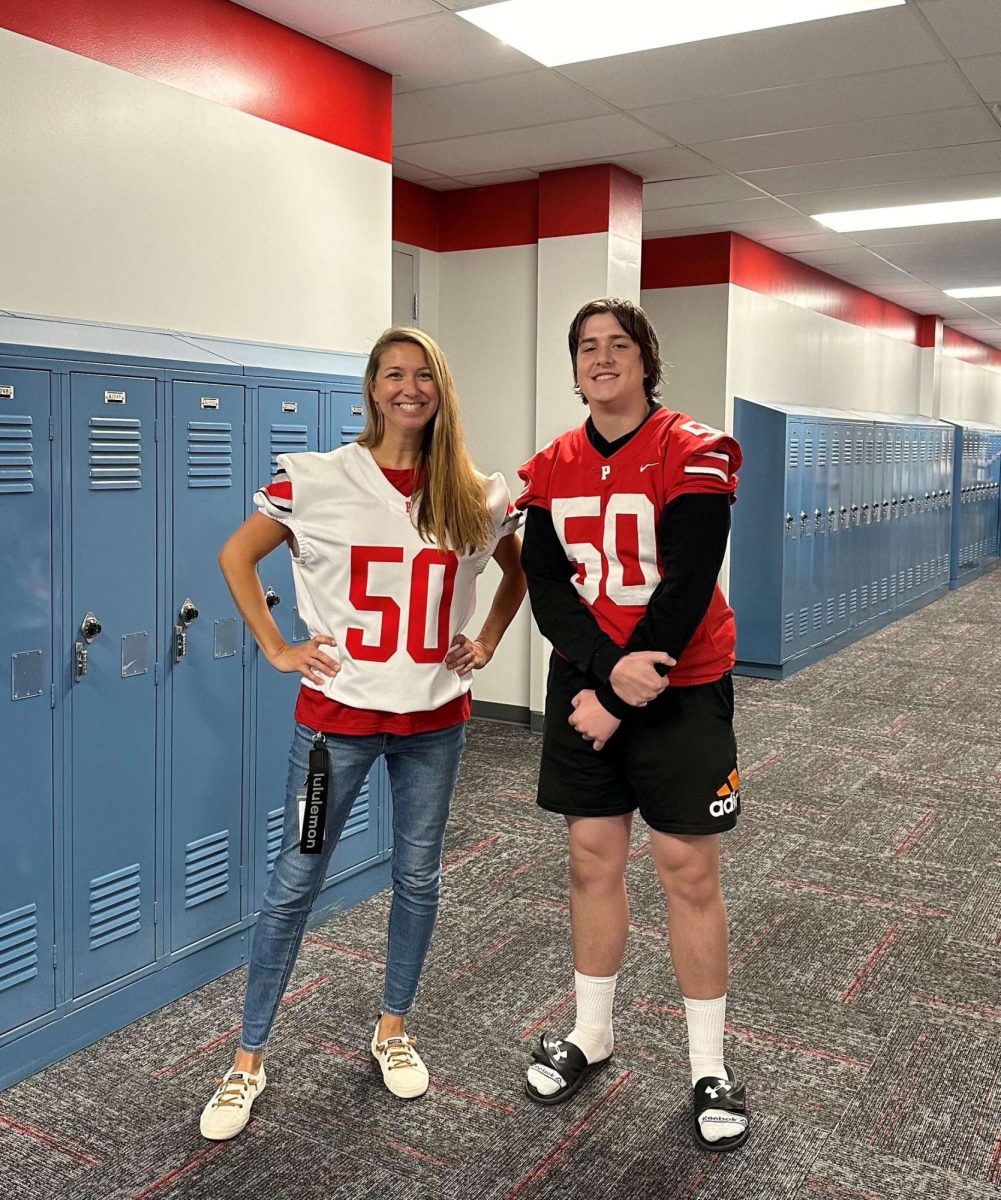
[(486, 326), (970, 393), (130, 202), (691, 324)]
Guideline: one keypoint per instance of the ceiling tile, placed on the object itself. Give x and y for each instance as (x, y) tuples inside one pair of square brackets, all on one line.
[(796, 244), (407, 170), (963, 187), (850, 45), (707, 189), (670, 162), (790, 225), (689, 216), (945, 162), (884, 135), (966, 27), (322, 19), (491, 177), (805, 105), (544, 145), (433, 51), (509, 102), (985, 74), (959, 235)]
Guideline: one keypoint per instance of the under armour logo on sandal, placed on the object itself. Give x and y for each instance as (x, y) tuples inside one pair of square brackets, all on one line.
[(715, 1091)]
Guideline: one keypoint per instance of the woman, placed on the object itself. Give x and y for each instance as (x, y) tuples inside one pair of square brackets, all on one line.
[(387, 536)]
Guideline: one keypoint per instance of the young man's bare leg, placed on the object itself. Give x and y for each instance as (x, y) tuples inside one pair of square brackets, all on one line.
[(599, 923), (688, 869)]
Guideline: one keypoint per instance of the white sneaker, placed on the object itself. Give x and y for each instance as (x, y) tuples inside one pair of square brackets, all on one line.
[(228, 1111), (403, 1069)]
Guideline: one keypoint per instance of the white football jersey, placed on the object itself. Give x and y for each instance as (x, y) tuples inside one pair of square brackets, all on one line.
[(392, 602)]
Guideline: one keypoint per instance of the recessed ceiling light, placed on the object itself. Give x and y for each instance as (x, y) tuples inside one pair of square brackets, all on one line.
[(971, 293), (905, 215), (568, 31)]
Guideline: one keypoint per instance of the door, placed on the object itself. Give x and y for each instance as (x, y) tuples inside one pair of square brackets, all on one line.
[(205, 636), (287, 422), (27, 929), (112, 650)]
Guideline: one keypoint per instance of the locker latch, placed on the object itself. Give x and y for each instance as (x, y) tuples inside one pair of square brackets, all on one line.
[(90, 627), (188, 613), (271, 598)]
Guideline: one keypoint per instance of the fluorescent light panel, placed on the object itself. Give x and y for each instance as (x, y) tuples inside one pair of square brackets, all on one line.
[(568, 31), (907, 215), (974, 293)]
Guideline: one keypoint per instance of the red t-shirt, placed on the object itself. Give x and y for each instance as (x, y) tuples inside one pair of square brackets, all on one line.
[(319, 712)]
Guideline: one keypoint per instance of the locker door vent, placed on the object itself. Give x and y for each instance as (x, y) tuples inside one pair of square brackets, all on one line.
[(16, 454), (359, 817), (808, 451), (18, 946), (287, 439), (865, 597), (843, 605), (835, 451), (853, 601), (206, 869), (831, 609), (114, 906), (818, 615), (869, 453), (858, 450), (349, 433), (804, 622), (794, 452), (822, 451), (276, 824), (210, 454), (115, 453), (789, 627)]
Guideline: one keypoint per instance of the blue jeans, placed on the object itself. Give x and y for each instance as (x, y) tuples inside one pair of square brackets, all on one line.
[(422, 772)]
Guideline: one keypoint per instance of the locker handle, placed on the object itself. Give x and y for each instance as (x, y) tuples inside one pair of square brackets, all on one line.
[(271, 598), (80, 657), (188, 612)]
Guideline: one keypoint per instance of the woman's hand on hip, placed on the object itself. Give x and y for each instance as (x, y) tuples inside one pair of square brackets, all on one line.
[(467, 654), (307, 659)]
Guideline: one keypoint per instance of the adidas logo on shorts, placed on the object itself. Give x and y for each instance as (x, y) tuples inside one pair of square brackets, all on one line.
[(729, 797)]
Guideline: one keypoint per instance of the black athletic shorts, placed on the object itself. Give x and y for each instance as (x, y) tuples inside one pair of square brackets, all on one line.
[(675, 760)]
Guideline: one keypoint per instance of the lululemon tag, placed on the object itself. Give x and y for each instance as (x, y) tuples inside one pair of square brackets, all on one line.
[(313, 810)]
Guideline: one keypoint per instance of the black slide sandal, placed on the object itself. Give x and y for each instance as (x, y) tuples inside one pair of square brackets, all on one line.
[(723, 1095), (565, 1064)]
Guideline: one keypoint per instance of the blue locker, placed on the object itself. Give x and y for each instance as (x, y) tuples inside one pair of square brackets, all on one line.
[(27, 920), (871, 532), (824, 587), (204, 649), (362, 837), (287, 422), (792, 638), (111, 656), (837, 511)]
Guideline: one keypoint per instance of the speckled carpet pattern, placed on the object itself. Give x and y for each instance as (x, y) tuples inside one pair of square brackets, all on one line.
[(865, 994)]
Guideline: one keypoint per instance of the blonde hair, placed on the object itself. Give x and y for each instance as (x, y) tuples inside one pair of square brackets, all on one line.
[(450, 505)]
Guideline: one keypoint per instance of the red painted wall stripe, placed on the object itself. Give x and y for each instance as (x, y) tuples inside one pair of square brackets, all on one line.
[(222, 52), (415, 214), (506, 214), (958, 345), (593, 199), (729, 258)]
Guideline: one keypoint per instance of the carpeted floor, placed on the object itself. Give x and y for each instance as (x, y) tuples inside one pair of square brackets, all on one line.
[(865, 1008)]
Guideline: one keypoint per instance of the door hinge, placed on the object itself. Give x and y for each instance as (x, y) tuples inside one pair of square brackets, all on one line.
[(52, 695), (52, 428), (55, 959), (156, 911), (156, 431), (156, 674)]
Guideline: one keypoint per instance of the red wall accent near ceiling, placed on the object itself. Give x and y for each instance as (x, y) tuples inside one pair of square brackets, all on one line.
[(593, 199), (692, 261), (504, 214), (222, 52), (729, 258), (959, 345), (760, 269), (930, 332), (415, 214)]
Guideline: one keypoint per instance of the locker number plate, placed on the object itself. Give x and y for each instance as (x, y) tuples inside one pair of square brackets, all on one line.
[(210, 402), (290, 406), (6, 391), (114, 397), (26, 671)]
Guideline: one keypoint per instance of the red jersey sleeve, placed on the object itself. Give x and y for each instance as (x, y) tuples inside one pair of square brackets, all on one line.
[(700, 459), (535, 475)]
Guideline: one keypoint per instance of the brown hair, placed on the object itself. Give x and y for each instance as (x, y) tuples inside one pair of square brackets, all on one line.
[(636, 323), (450, 504)]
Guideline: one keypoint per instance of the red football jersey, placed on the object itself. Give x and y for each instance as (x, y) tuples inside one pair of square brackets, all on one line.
[(607, 512)]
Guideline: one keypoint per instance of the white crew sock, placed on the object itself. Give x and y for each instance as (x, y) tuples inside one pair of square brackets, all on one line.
[(706, 1019), (592, 1032)]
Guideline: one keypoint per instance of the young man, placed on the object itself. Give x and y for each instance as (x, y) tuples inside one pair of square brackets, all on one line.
[(626, 527)]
